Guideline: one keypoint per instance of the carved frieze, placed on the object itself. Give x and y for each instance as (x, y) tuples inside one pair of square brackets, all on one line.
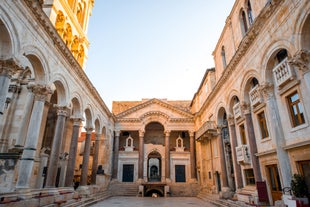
[(301, 60)]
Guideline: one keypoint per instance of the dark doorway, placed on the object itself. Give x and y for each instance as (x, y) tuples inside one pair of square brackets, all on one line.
[(180, 173), (154, 167), (128, 171), (218, 181)]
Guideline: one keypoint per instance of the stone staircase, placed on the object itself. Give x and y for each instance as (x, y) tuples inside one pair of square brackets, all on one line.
[(214, 199), (123, 189), (90, 199)]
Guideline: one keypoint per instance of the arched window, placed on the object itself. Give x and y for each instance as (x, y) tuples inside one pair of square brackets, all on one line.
[(179, 144), (243, 22), (281, 55), (250, 13), (223, 57), (60, 23), (129, 144), (254, 82)]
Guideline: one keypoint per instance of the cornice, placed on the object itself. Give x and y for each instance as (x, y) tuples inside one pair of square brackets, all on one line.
[(244, 46), (150, 102), (36, 8)]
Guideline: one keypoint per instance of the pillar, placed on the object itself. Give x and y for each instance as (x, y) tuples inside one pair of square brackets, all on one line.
[(22, 130), (141, 155), (115, 154), (252, 141), (222, 160), (301, 61), (167, 154), (7, 69), (72, 152), (95, 160), (86, 154), (192, 155), (233, 142), (62, 113), (28, 156), (276, 132)]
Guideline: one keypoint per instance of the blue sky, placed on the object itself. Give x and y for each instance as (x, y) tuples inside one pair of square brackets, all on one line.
[(152, 48)]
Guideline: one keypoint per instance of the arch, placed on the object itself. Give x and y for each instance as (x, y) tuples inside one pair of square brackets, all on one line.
[(155, 116), (88, 117), (9, 39), (230, 100), (221, 115), (76, 107), (63, 86), (243, 21), (246, 84), (97, 126), (233, 101), (302, 26), (270, 53), (39, 69), (61, 93)]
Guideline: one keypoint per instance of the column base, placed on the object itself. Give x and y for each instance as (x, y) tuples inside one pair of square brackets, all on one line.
[(226, 193), (83, 191)]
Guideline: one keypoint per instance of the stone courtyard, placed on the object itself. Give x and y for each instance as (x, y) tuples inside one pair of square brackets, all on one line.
[(150, 202)]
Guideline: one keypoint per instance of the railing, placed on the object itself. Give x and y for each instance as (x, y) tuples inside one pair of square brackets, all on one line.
[(207, 127), (282, 73), (255, 96), (243, 154), (237, 110)]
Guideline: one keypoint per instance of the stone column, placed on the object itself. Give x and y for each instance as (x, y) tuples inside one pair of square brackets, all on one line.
[(27, 160), (14, 91), (276, 132), (233, 142), (141, 154), (301, 61), (222, 160), (252, 141), (95, 160), (72, 152), (22, 131), (7, 69), (86, 154), (167, 154), (192, 155), (62, 113), (115, 154)]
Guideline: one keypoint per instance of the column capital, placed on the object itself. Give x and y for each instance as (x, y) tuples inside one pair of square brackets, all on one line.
[(167, 133), (41, 92), (191, 134), (8, 67), (245, 107), (231, 120), (15, 88), (77, 121), (62, 110), (117, 133), (141, 133), (301, 60), (89, 130), (267, 90)]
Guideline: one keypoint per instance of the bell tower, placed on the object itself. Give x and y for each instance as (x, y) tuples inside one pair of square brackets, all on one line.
[(70, 18)]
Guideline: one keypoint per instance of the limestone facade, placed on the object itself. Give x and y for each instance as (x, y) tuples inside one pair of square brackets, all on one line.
[(245, 132), (252, 109)]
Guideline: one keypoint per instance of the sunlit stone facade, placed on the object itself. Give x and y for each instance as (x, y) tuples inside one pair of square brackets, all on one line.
[(243, 135)]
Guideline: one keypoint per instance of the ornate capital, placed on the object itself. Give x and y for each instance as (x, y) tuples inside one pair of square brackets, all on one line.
[(141, 133), (13, 88), (191, 133), (245, 107), (89, 130), (62, 110), (301, 60), (267, 90), (8, 67), (77, 121), (167, 133), (231, 120), (117, 133), (41, 92)]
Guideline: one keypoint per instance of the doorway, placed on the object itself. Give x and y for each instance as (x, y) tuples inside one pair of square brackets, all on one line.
[(274, 182), (128, 171), (154, 167)]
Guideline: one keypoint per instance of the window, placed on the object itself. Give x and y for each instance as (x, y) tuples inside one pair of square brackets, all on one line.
[(296, 110), (263, 125), (281, 55), (244, 23), (250, 15), (223, 57), (249, 177), (242, 134), (274, 178)]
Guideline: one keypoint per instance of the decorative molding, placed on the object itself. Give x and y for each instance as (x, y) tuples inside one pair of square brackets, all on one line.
[(301, 60), (41, 92), (44, 21), (243, 47)]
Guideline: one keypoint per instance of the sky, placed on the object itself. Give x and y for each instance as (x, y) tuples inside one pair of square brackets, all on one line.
[(152, 48)]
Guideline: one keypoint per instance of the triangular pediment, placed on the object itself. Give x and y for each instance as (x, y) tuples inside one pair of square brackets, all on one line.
[(155, 107)]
